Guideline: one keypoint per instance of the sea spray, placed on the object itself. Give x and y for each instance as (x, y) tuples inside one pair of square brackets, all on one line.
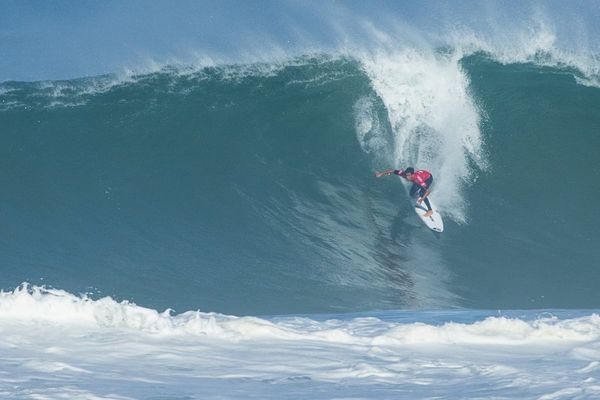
[(434, 120)]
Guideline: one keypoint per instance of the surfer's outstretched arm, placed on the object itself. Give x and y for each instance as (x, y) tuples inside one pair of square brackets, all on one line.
[(389, 172), (383, 173)]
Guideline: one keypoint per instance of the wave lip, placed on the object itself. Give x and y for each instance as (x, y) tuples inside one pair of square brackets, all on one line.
[(539, 44)]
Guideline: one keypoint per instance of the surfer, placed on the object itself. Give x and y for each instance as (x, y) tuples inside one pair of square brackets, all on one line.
[(421, 183)]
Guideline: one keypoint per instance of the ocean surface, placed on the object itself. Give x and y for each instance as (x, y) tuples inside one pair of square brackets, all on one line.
[(216, 231)]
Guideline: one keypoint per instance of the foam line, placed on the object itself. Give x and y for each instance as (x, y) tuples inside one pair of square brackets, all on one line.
[(58, 345), (34, 304)]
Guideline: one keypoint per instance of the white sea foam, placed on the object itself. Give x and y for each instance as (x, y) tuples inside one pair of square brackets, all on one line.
[(58, 345), (370, 129), (434, 120)]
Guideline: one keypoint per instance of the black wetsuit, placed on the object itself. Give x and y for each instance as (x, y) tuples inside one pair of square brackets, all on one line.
[(421, 190)]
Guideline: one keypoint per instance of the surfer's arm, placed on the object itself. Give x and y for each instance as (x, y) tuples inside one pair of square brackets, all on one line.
[(424, 195), (390, 171), (383, 173)]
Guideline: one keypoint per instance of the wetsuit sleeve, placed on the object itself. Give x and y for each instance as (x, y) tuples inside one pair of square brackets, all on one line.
[(399, 172)]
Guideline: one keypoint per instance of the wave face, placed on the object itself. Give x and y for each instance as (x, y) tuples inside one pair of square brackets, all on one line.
[(248, 189)]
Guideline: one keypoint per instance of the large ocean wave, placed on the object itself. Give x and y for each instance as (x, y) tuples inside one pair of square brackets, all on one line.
[(192, 186), (227, 179)]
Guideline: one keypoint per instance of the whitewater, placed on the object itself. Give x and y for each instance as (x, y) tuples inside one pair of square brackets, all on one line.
[(56, 345), (205, 224)]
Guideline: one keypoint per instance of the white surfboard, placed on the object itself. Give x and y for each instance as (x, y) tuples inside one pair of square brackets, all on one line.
[(434, 221)]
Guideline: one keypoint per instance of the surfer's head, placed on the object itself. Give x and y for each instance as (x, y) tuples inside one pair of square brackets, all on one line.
[(408, 172)]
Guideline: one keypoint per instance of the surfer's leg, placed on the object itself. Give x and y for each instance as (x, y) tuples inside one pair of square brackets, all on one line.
[(427, 203), (426, 200), (429, 181)]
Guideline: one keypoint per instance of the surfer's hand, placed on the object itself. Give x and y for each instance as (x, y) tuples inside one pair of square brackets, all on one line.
[(383, 173), (420, 200)]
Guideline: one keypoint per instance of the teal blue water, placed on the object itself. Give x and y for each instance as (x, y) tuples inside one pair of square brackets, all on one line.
[(244, 189)]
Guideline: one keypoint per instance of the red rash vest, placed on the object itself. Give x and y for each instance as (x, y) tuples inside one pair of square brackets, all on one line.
[(419, 177)]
